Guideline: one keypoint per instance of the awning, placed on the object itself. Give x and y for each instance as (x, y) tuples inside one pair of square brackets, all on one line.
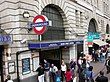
[(50, 44), (99, 42)]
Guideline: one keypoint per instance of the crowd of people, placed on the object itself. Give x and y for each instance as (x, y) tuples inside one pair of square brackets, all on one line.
[(81, 68)]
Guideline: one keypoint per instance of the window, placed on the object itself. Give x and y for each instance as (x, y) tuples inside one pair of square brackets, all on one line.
[(56, 31)]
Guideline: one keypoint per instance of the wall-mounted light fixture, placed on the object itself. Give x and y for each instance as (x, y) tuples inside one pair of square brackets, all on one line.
[(26, 14)]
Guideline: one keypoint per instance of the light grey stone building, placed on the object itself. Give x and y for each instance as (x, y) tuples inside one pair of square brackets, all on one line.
[(66, 38)]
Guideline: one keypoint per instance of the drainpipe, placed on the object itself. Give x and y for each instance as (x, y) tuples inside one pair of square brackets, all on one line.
[(17, 65)]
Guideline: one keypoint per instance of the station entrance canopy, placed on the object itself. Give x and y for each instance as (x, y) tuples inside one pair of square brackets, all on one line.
[(51, 44)]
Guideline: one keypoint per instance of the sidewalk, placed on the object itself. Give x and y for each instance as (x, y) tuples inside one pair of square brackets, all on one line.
[(97, 67)]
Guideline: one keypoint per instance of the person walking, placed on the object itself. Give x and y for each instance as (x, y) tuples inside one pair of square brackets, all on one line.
[(68, 76), (89, 74), (63, 70), (101, 77), (53, 70), (107, 64), (81, 75), (40, 71), (46, 71), (8, 79)]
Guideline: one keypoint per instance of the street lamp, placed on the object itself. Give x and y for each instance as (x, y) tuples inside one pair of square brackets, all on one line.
[(26, 14)]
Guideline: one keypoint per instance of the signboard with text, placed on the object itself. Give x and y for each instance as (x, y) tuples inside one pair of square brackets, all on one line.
[(5, 39), (39, 23), (92, 35)]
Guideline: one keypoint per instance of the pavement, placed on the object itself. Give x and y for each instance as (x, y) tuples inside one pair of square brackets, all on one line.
[(97, 67)]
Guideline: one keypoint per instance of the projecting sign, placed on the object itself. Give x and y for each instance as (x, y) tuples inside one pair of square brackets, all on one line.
[(5, 39), (39, 23)]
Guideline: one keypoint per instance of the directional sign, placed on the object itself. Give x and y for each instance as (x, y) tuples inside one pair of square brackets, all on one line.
[(39, 23)]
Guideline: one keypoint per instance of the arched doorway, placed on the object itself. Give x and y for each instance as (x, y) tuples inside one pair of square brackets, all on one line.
[(92, 26), (55, 32), (93, 29)]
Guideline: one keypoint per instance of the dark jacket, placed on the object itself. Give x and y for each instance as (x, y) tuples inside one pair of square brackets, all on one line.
[(40, 71), (101, 79)]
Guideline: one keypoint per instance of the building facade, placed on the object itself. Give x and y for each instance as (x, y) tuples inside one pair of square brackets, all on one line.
[(65, 39)]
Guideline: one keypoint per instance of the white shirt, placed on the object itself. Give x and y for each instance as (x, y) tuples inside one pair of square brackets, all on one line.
[(54, 69), (9, 81), (79, 61), (63, 67)]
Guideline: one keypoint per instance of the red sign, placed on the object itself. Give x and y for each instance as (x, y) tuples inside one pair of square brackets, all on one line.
[(90, 44), (42, 27)]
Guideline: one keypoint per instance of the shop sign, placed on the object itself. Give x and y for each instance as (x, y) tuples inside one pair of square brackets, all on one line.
[(5, 39), (92, 35)]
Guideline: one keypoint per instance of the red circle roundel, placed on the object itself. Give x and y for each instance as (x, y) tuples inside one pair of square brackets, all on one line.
[(39, 29)]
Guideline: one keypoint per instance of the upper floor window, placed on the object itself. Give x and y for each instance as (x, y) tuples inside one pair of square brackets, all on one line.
[(56, 31)]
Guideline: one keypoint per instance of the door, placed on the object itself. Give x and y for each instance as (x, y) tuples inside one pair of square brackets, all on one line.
[(1, 63)]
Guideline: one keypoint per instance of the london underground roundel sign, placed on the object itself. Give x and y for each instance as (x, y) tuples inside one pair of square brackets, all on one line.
[(39, 24)]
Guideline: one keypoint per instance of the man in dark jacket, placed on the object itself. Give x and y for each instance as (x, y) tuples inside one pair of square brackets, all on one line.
[(107, 64), (101, 77)]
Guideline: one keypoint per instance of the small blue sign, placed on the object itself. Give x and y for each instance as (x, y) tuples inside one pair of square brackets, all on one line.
[(40, 24), (5, 39)]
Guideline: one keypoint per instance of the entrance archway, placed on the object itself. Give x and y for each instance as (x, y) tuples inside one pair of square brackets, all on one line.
[(54, 33), (92, 26)]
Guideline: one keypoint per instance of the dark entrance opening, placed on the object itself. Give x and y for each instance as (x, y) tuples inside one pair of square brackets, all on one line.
[(79, 50), (52, 56), (95, 47), (1, 63)]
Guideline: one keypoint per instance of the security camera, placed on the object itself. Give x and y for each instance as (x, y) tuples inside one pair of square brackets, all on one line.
[(23, 41)]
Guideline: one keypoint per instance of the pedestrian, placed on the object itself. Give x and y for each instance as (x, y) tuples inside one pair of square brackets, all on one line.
[(58, 76), (8, 79), (90, 74), (40, 71), (73, 66), (101, 77), (84, 64), (79, 64), (68, 76), (107, 64), (46, 71), (53, 70), (81, 75), (63, 70)]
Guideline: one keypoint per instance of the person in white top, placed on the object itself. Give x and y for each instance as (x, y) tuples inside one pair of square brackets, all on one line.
[(8, 79), (63, 70), (53, 70)]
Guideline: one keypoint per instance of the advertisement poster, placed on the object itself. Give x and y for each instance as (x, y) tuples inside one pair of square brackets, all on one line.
[(26, 66), (11, 67)]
